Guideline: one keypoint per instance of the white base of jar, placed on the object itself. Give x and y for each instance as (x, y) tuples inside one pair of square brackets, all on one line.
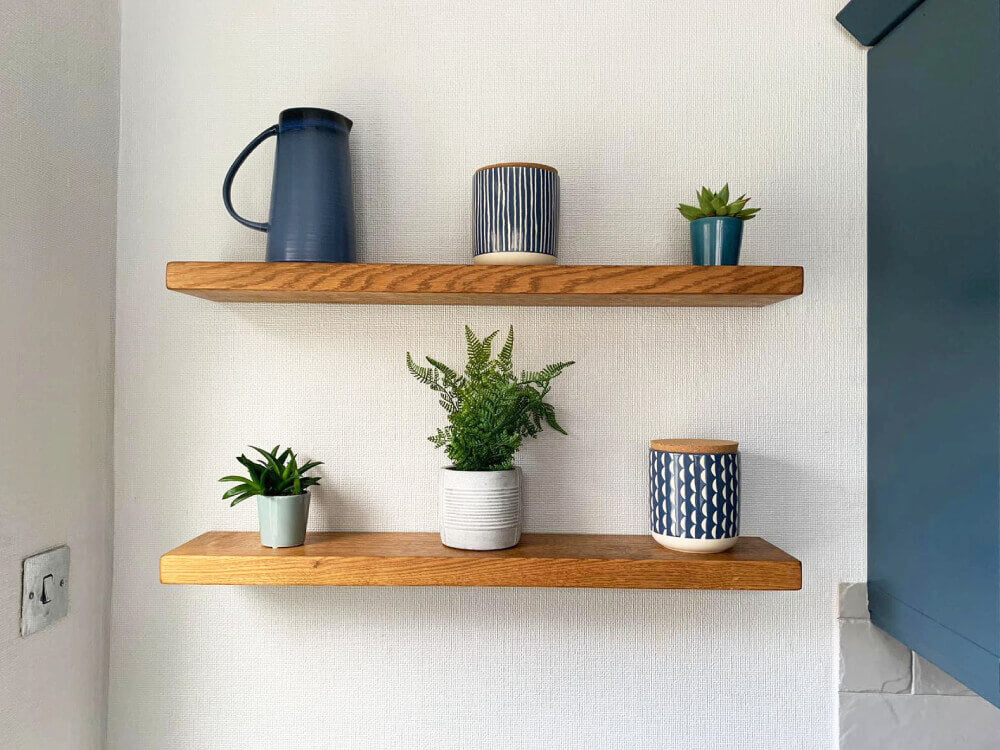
[(514, 259), (700, 546)]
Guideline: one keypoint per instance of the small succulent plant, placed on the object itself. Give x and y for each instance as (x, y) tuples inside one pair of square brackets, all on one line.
[(275, 476), (717, 204)]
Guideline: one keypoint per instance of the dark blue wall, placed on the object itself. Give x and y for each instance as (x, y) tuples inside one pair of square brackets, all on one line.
[(934, 336)]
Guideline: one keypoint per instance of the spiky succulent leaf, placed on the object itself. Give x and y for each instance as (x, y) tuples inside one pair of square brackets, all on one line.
[(705, 201), (292, 471), (717, 204), (690, 212), (272, 461), (736, 206), (278, 474), (239, 490), (251, 466)]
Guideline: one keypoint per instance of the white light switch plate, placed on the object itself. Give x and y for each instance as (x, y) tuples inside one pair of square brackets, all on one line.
[(44, 589)]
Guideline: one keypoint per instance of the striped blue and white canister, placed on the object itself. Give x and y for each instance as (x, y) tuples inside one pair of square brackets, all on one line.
[(516, 210)]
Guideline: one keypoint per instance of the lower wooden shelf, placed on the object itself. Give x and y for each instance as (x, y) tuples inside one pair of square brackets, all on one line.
[(419, 559)]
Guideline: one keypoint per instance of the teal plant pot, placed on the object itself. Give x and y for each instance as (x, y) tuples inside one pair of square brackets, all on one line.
[(283, 520), (716, 240)]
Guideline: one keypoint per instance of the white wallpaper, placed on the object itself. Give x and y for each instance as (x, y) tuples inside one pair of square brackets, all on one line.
[(58, 144), (637, 104)]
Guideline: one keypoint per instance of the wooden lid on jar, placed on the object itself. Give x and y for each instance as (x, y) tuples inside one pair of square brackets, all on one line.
[(694, 445), (528, 164)]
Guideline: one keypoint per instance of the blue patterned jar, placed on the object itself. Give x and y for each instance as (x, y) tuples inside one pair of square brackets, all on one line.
[(694, 494), (516, 213)]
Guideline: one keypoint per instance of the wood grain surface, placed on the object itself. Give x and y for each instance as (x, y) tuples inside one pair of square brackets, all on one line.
[(419, 559), (420, 284), (694, 445), (531, 164)]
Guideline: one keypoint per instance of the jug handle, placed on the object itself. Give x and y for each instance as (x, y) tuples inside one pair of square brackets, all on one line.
[(227, 184)]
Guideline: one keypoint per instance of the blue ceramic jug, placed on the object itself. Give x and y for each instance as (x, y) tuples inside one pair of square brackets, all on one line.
[(312, 208)]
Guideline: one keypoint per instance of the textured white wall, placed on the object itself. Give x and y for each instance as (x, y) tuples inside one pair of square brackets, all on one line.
[(58, 145), (637, 104)]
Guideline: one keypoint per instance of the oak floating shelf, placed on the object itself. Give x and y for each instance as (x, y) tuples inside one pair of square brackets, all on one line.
[(419, 559), (422, 284)]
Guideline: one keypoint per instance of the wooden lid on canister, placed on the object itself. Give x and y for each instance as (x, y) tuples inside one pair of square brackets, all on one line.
[(694, 445), (528, 164)]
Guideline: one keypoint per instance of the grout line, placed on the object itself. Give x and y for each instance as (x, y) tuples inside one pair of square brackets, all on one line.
[(842, 693), (911, 673)]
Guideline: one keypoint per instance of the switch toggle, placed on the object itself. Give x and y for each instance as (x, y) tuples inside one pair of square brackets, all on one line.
[(46, 589)]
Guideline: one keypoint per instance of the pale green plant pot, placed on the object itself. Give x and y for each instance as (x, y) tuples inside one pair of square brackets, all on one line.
[(283, 520)]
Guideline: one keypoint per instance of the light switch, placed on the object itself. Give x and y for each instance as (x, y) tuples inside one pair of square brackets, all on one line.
[(44, 589)]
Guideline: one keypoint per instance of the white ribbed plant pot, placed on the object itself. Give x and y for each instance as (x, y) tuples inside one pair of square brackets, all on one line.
[(480, 509)]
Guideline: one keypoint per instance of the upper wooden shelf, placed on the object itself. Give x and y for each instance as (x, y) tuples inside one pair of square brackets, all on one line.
[(421, 284), (419, 559)]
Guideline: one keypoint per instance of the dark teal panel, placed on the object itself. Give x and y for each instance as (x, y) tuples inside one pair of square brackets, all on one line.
[(870, 20), (934, 323), (980, 670)]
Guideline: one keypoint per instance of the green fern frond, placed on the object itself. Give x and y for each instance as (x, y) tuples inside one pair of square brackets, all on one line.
[(439, 438), (424, 374), (480, 353), (506, 355), (490, 411), (474, 347), (447, 372), (543, 376)]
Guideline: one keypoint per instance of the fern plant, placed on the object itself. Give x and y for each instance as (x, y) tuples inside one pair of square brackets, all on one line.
[(490, 409), (717, 204), (274, 476)]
